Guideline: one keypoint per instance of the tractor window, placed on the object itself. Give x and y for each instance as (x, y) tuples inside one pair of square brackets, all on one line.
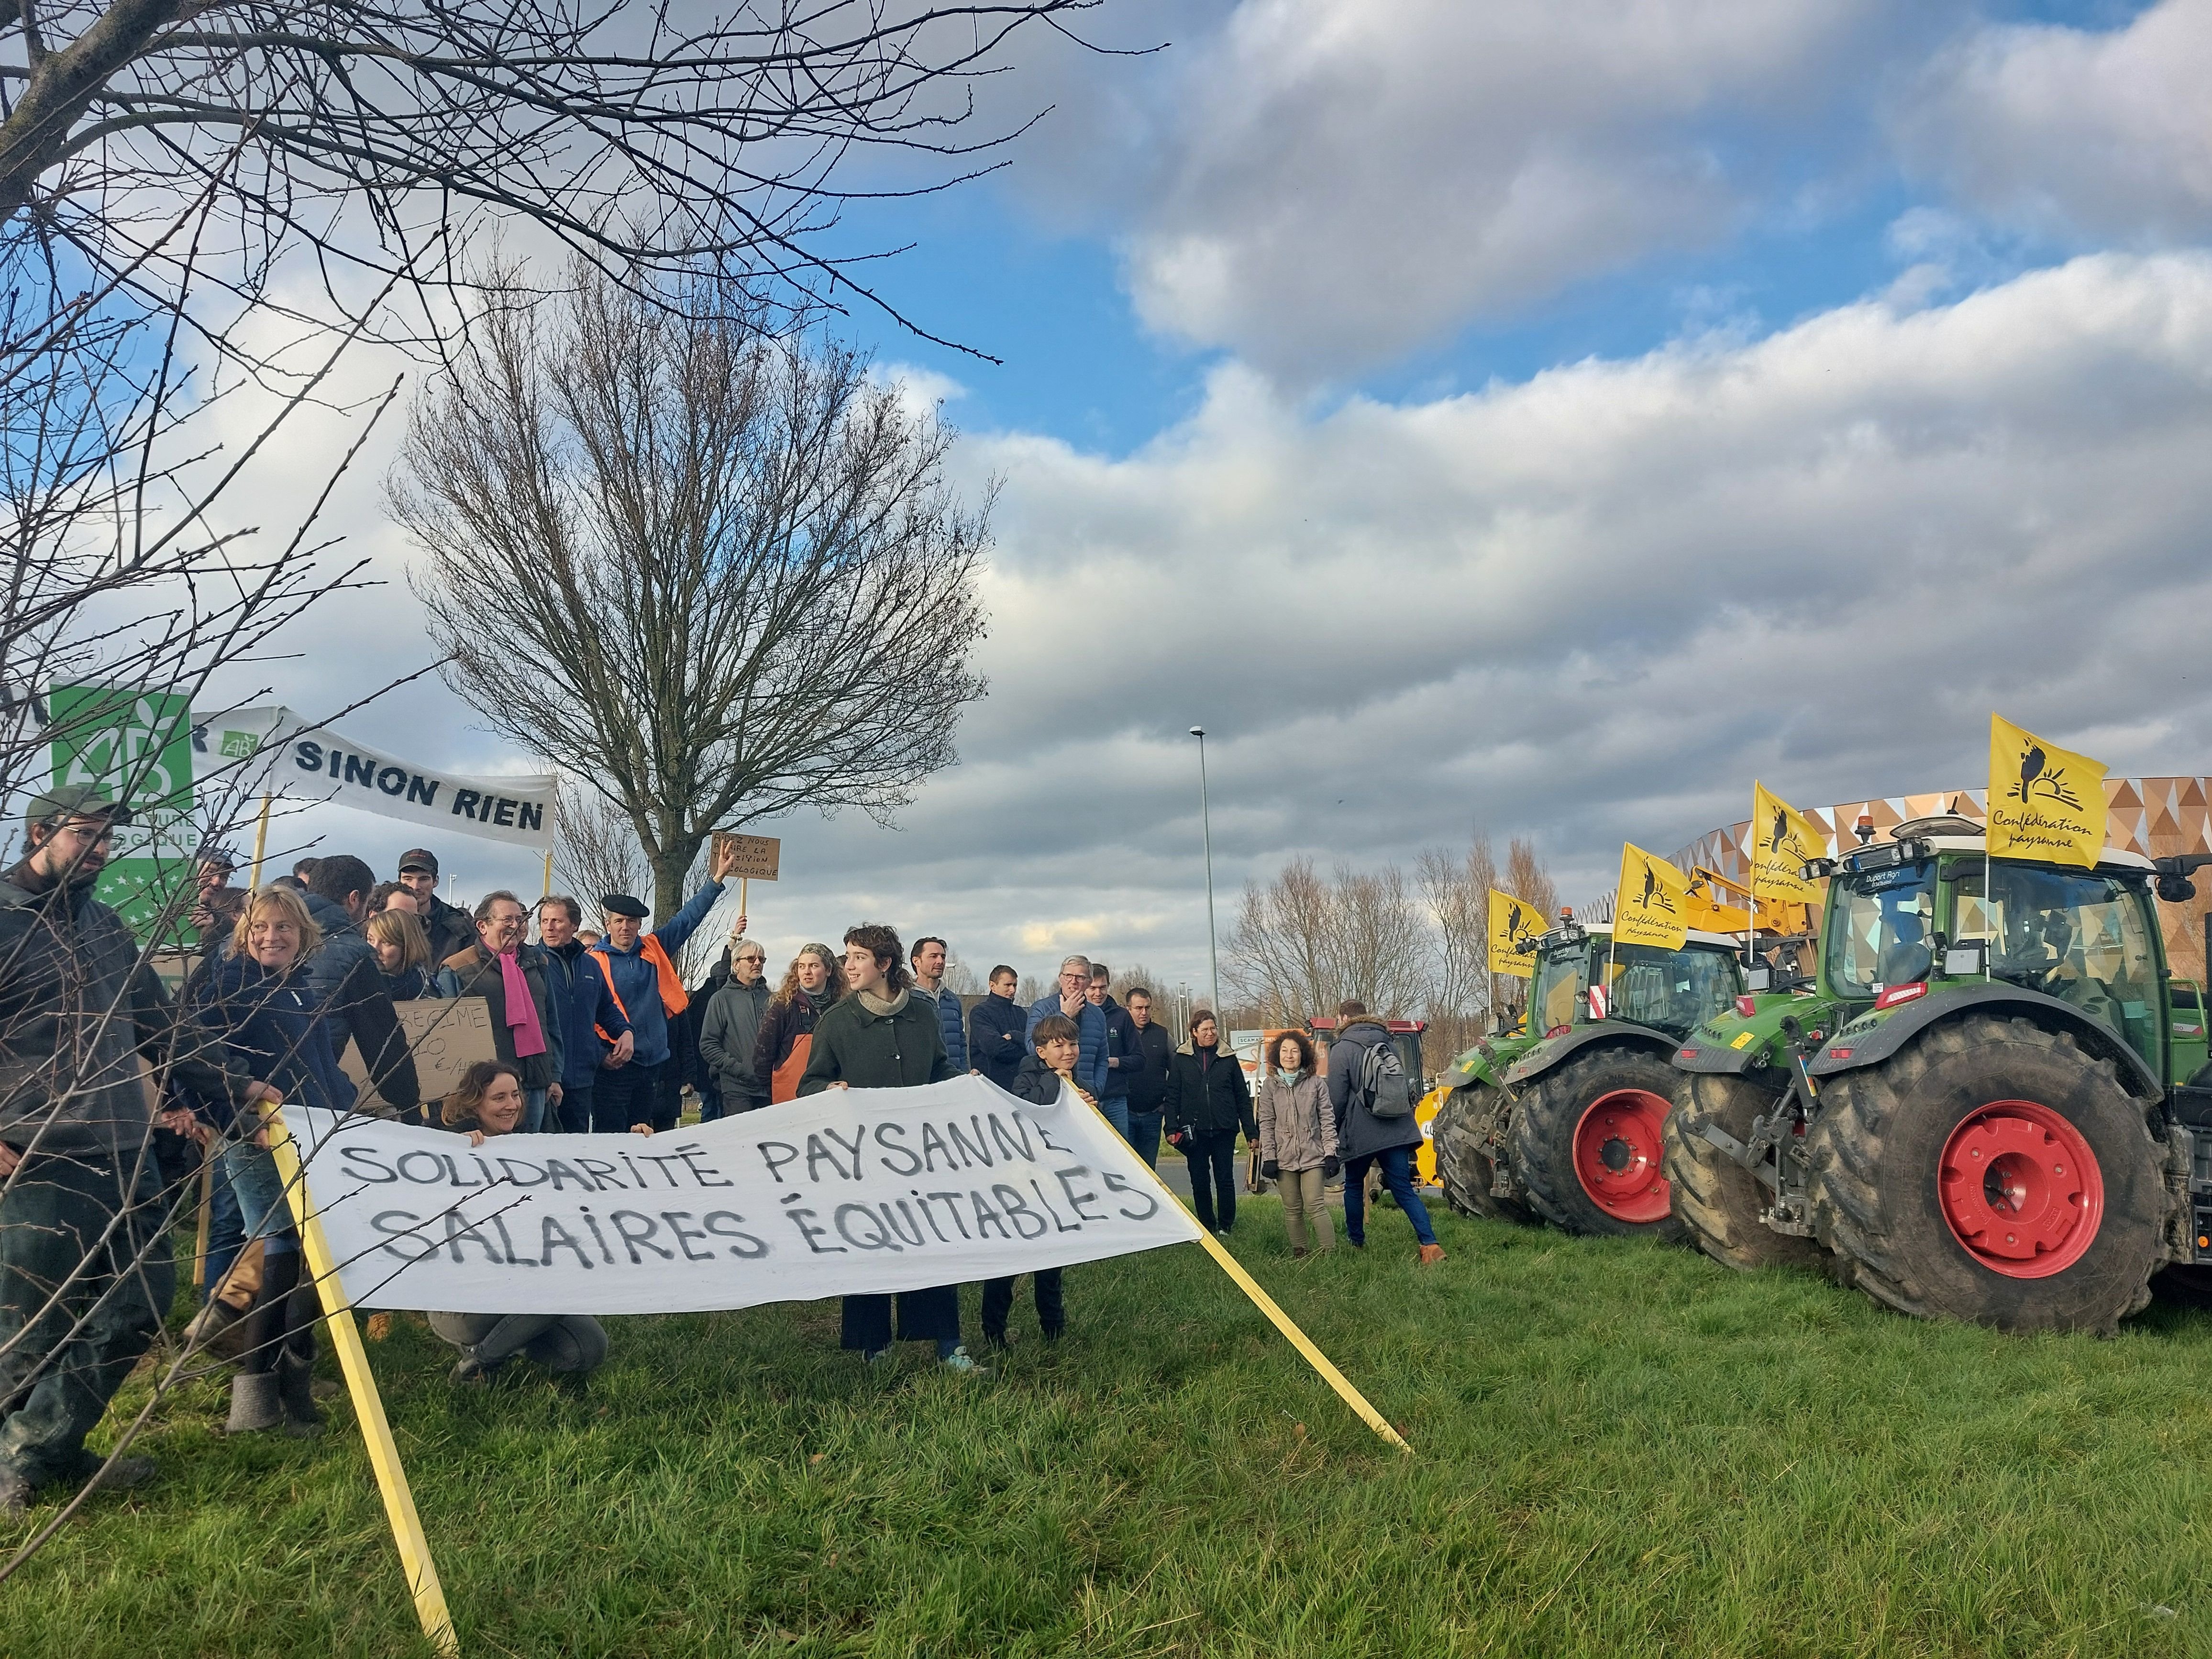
[(1558, 991), (1672, 990), (1879, 927), (2074, 934)]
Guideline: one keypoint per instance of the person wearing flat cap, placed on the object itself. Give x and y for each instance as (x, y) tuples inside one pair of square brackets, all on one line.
[(640, 972), (85, 1274)]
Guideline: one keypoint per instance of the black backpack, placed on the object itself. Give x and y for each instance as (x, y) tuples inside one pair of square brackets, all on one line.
[(1382, 1081)]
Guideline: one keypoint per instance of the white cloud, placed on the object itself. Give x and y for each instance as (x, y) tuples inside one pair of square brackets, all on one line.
[(1323, 185), (2074, 131), (1590, 606)]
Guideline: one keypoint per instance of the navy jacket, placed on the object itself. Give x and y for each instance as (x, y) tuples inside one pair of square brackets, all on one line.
[(950, 1023), (274, 1030), (1091, 1024), (637, 981), (1125, 1056), (348, 983), (997, 1029), (578, 990)]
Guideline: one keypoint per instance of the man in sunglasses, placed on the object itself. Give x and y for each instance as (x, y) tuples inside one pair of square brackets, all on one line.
[(732, 1024)]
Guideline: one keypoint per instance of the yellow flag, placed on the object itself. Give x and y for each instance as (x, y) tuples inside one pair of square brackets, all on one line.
[(1782, 840), (1653, 900), (1511, 923), (2045, 802)]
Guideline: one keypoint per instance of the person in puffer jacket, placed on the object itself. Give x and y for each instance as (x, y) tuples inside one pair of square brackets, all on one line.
[(1298, 1139), (1043, 1073)]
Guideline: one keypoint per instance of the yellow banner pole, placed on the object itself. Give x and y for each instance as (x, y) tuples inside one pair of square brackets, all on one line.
[(548, 892), (368, 1405), (206, 1218), (260, 845), (1266, 1304)]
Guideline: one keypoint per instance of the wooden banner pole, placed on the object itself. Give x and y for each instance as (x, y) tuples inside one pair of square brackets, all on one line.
[(260, 845), (745, 891), (368, 1405), (1266, 1304), (206, 1221)]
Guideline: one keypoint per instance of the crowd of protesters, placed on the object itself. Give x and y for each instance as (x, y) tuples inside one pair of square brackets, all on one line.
[(592, 1032)]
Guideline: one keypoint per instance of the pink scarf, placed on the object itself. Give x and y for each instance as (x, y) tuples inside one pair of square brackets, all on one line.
[(521, 1008)]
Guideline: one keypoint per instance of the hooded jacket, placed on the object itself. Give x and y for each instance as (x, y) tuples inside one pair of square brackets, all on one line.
[(1124, 1058), (1208, 1097), (728, 1038), (349, 982), (784, 1023), (996, 1028), (79, 1011), (894, 1044), (1359, 1133), (1297, 1124), (450, 928), (1036, 1082), (476, 972)]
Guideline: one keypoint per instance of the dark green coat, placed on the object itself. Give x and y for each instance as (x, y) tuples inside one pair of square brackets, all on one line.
[(876, 1051)]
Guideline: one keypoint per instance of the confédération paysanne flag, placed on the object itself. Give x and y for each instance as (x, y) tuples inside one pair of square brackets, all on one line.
[(1515, 926), (2045, 802), (1783, 841), (1653, 901)]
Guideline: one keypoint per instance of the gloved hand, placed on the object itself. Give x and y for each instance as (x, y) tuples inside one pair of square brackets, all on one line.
[(1271, 1170), (1331, 1167)]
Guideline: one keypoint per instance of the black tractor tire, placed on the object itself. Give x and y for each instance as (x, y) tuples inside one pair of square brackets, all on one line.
[(1465, 1165), (1546, 1116), (1877, 1144), (1717, 1200)]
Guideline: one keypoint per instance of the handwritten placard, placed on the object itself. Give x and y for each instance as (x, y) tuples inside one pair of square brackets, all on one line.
[(445, 1038), (758, 856)]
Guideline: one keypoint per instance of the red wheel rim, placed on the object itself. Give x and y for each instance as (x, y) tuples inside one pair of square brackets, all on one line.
[(2021, 1190), (1618, 1155)]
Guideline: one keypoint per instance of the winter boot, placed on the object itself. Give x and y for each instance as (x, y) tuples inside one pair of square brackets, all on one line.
[(253, 1403), (1432, 1254), (296, 1365)]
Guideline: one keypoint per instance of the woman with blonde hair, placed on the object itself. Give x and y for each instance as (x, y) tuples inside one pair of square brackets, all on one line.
[(261, 1004), (814, 981), (402, 952)]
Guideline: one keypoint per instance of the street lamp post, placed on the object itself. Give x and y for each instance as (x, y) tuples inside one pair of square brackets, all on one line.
[(1205, 826)]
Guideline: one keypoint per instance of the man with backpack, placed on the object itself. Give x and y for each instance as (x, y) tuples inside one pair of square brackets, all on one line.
[(1373, 1103)]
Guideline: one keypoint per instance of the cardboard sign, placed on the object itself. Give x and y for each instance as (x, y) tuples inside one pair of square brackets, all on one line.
[(445, 1038), (757, 856)]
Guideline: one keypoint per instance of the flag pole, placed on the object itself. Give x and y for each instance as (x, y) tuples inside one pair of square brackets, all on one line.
[(260, 845)]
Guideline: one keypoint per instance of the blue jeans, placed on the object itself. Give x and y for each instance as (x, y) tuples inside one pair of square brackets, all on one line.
[(1144, 1136), (260, 1193), (1397, 1166), (225, 1227), (1117, 1110), (533, 1110)]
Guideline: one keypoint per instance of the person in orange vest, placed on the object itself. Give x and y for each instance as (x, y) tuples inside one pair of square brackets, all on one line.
[(641, 971)]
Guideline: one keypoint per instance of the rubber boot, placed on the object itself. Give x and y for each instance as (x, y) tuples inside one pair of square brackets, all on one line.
[(295, 1366), (253, 1403)]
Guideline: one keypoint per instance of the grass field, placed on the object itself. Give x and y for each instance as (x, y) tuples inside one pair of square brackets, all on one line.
[(1621, 1450)]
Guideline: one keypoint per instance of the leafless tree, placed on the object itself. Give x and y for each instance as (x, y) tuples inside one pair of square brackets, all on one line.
[(1302, 944), (374, 136), (714, 574), (1455, 890), (596, 851)]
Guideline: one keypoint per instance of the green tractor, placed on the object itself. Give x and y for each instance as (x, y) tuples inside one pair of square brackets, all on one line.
[(1561, 1120), (1986, 1103)]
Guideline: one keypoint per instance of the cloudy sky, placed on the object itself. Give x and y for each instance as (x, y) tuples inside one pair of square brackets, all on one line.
[(1543, 418)]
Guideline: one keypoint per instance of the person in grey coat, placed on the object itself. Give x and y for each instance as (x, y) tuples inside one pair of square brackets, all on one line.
[(731, 1028), (1362, 1139), (928, 959)]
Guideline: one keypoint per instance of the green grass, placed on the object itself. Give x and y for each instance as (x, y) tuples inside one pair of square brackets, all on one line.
[(1620, 1449)]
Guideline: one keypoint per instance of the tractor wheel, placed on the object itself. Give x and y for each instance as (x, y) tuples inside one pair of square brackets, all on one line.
[(1587, 1140), (1464, 1125), (1992, 1171), (1717, 1199)]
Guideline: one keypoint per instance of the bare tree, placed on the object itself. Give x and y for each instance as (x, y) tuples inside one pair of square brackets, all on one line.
[(1455, 889), (374, 135), (1527, 880), (1301, 943), (596, 852), (732, 562)]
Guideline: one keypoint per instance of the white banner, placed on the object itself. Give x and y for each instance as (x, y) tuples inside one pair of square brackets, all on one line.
[(841, 1193), (298, 761)]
